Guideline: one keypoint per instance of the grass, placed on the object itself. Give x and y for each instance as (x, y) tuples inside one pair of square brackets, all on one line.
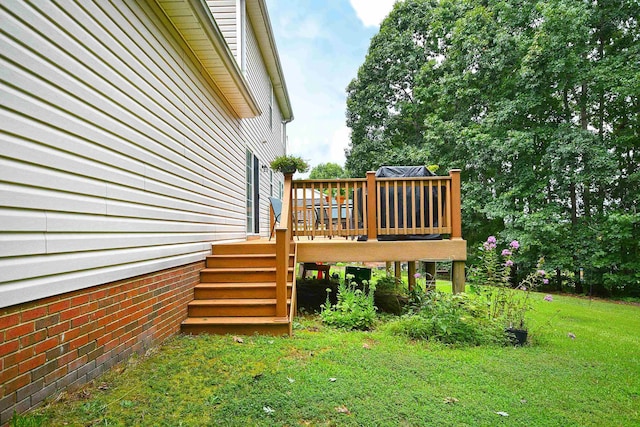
[(383, 380)]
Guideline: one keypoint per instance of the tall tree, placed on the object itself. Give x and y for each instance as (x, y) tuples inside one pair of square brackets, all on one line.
[(537, 102)]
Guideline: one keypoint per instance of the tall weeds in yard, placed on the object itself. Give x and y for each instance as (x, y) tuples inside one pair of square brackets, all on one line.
[(353, 310), (450, 319)]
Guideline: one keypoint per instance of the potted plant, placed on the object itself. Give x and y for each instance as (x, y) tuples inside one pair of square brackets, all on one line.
[(289, 164)]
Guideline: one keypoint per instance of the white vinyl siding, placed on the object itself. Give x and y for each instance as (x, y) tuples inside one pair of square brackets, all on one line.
[(265, 142), (226, 16), (116, 156)]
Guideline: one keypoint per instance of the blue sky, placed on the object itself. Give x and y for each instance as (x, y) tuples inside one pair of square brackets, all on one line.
[(321, 44)]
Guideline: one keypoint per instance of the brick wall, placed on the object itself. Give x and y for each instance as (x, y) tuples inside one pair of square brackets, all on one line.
[(67, 340)]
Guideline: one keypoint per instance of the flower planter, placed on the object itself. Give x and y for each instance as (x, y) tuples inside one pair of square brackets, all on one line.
[(517, 336)]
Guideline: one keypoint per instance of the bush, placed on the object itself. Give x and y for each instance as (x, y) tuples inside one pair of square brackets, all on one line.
[(450, 319), (354, 310)]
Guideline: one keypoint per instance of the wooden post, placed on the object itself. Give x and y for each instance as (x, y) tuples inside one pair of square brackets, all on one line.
[(283, 245), (430, 270), (411, 271), (456, 207), (457, 281), (397, 269), (372, 223), (388, 268)]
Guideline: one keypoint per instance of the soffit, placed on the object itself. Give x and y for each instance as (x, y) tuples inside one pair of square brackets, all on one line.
[(259, 17), (194, 22)]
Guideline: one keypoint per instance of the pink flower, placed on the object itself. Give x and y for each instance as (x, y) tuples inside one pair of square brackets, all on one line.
[(548, 298), (491, 239), (417, 275), (541, 272), (508, 263), (514, 244), (506, 252), (545, 281)]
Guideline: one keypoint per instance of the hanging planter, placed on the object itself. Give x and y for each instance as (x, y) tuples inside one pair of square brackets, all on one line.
[(289, 164)]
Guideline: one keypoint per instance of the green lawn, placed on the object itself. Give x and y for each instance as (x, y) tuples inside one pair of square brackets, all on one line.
[(379, 379)]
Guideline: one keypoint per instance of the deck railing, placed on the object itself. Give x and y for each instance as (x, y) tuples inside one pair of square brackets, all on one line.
[(369, 207), (377, 206)]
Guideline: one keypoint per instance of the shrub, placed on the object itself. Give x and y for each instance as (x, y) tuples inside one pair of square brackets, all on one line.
[(450, 319), (353, 310), (389, 284)]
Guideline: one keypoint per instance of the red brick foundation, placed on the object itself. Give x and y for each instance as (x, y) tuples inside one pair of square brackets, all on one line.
[(67, 340)]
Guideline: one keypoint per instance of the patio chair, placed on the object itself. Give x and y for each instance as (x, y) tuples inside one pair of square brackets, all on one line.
[(276, 210)]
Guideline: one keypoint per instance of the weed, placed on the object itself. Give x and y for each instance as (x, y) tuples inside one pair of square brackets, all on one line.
[(450, 319), (354, 310)]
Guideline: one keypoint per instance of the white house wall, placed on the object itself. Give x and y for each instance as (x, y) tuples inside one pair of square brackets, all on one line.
[(224, 12), (116, 157), (265, 142)]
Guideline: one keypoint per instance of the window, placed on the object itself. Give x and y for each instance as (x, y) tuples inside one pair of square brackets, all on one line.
[(252, 167)]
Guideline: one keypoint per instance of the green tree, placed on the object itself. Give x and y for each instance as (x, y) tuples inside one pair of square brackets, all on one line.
[(537, 101), (327, 171)]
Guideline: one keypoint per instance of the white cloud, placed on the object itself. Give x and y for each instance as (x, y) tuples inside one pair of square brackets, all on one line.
[(339, 141), (372, 12)]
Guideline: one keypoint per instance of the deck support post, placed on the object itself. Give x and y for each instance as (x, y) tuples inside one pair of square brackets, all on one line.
[(430, 270), (372, 206), (456, 210), (457, 280), (411, 267), (283, 246), (388, 268), (397, 270)]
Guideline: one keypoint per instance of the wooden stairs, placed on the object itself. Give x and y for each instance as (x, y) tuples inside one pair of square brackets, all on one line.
[(237, 292)]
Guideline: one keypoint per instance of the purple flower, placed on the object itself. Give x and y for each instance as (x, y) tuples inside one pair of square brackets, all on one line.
[(514, 244), (508, 263), (545, 281), (417, 275), (491, 239), (548, 298), (541, 272), (506, 252)]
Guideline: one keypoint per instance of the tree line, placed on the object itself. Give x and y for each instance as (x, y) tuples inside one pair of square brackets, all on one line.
[(538, 102)]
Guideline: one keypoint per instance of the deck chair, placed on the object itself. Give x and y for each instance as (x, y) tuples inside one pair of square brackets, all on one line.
[(276, 210)]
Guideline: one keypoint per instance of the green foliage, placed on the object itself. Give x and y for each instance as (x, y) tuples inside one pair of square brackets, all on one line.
[(389, 284), (28, 420), (327, 171), (354, 309), (537, 102), (460, 319), (289, 164), (507, 304)]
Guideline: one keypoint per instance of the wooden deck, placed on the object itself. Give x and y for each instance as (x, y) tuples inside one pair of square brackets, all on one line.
[(250, 287)]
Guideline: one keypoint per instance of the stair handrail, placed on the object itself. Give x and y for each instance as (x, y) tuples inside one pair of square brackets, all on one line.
[(283, 247)]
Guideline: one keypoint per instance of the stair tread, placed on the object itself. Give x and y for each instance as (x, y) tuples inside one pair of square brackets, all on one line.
[(243, 256), (235, 320), (236, 301), (237, 285), (240, 269), (258, 255)]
